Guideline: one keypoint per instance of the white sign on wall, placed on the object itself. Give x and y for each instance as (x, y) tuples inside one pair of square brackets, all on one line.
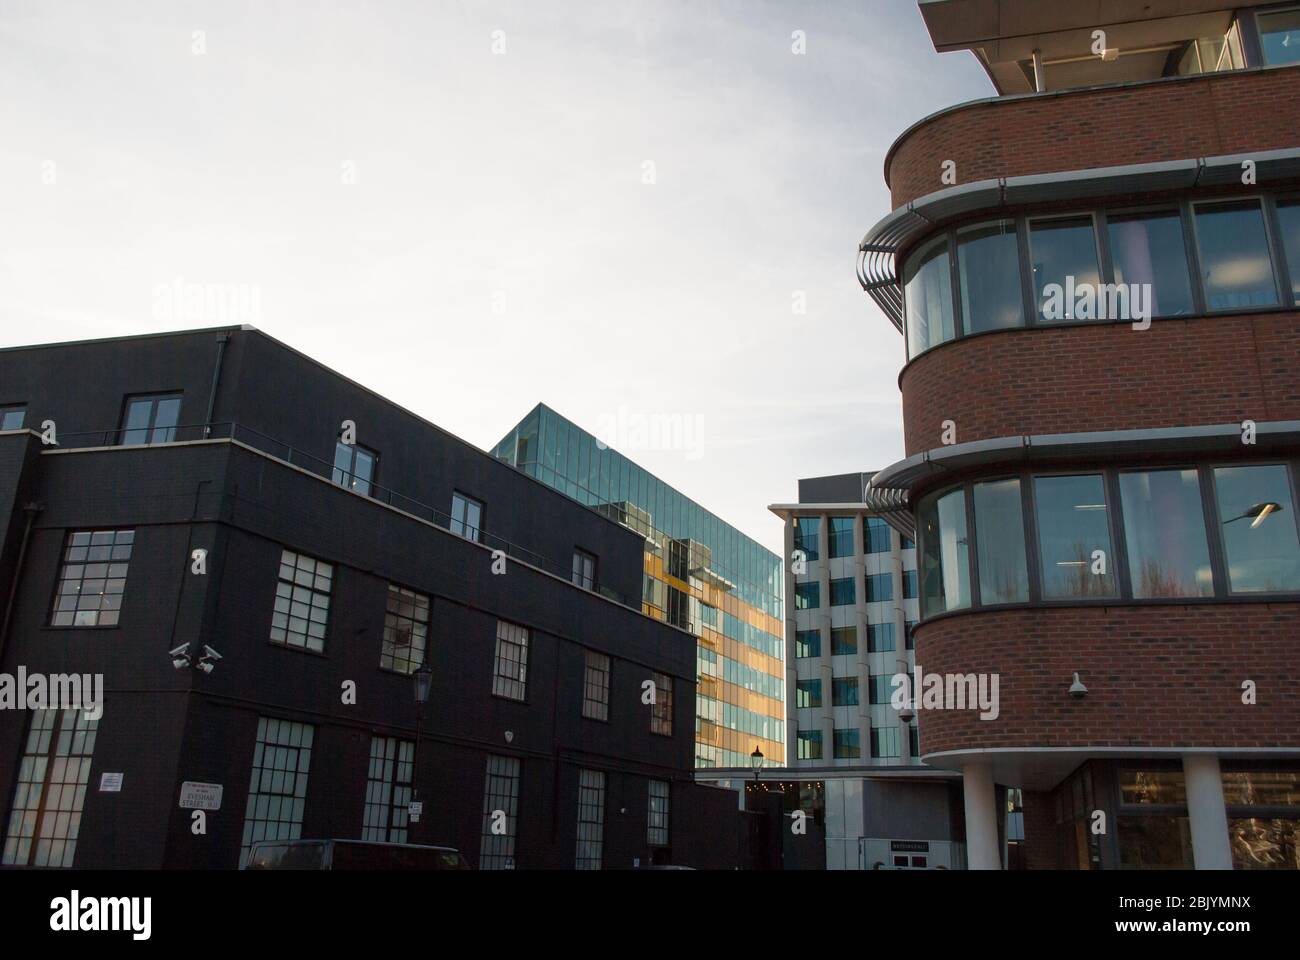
[(201, 796)]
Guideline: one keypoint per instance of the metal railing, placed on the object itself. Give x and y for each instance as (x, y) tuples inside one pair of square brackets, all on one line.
[(284, 452)]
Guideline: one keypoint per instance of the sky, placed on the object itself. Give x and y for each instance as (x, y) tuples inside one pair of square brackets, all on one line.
[(643, 213)]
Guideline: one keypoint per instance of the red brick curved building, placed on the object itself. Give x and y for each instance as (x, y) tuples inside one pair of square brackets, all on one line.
[(1097, 277)]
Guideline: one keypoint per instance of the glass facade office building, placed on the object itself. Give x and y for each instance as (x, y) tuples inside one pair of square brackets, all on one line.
[(701, 574)]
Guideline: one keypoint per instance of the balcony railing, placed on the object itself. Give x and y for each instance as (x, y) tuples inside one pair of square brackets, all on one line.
[(287, 453)]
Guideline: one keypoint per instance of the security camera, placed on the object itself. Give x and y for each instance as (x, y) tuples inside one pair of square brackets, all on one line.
[(906, 714), (180, 656), (1077, 689), (209, 659)]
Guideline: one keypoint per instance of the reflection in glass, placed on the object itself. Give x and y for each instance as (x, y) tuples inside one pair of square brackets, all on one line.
[(988, 265), (1279, 35), (944, 562), (1060, 250), (1257, 520), (1235, 262), (1147, 248), (1073, 525), (1288, 215), (1264, 844), (1150, 842), (1272, 788), (1000, 542), (1152, 787), (841, 536), (927, 283), (1164, 526), (806, 531)]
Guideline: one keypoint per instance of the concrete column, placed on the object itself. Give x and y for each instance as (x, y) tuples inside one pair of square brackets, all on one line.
[(981, 817), (1206, 814)]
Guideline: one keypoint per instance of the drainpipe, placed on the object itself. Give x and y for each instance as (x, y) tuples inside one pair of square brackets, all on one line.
[(216, 380), (31, 509)]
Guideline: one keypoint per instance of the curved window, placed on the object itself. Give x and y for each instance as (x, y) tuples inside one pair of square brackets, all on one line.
[(1164, 530), (927, 283), (1288, 218), (944, 561), (1279, 36), (1235, 262), (1259, 528), (988, 265), (1148, 250), (1063, 252), (1074, 537), (1000, 530)]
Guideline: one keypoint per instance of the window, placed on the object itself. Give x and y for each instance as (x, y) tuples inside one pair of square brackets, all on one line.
[(945, 566), (354, 466), (848, 744), (388, 790), (1063, 252), (1257, 523), (151, 419), (657, 814), (844, 691), (92, 578), (591, 820), (1235, 261), (927, 297), (844, 641), (806, 532), (278, 787), (807, 596), (842, 592), (584, 570), (302, 602), (1073, 525), (914, 740), (1279, 35), (810, 744), (45, 816), (909, 584), (875, 535), (466, 516), (1000, 539), (880, 638), (884, 742), (510, 669), (12, 417), (1148, 248), (661, 710), (882, 688), (880, 586), (808, 693), (406, 630), (909, 634), (595, 686), (988, 264), (496, 849), (808, 643), (1288, 218), (841, 536), (1164, 529)]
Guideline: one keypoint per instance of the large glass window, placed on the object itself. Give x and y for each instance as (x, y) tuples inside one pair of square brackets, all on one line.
[(848, 743), (806, 531), (466, 516), (1257, 522), (354, 466), (880, 586), (842, 592), (406, 630), (302, 602), (661, 709), (880, 637), (1148, 248), (844, 692), (884, 742), (277, 790), (810, 744), (1063, 252), (496, 849), (988, 265), (12, 417), (807, 596), (841, 539), (388, 790), (1288, 217), (595, 686), (844, 641), (808, 643), (510, 665), (875, 535), (50, 789), (657, 813), (1074, 537), (151, 419), (927, 292), (808, 693), (1279, 35), (92, 578), (1000, 538), (1164, 530), (1235, 262), (944, 562), (591, 820)]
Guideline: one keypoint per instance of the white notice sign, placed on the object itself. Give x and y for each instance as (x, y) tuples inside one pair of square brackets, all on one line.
[(110, 783), (200, 796)]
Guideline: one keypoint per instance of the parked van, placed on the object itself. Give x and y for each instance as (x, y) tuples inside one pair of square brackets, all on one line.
[(352, 855)]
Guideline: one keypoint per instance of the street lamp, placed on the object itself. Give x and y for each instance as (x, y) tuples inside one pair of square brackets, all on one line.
[(756, 761), (423, 678)]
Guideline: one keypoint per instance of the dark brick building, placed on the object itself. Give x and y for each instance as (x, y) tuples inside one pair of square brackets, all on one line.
[(1105, 502), (332, 571)]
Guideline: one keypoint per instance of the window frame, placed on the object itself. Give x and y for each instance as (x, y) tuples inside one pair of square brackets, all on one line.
[(8, 408), (526, 646), (1268, 216), (351, 472), (154, 398), (62, 561), (1095, 216), (482, 516)]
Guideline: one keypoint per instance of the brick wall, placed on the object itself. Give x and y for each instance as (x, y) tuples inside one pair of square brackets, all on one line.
[(1105, 377), (1166, 676), (1040, 830), (1170, 120)]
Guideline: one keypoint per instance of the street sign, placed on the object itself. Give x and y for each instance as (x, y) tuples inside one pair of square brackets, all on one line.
[(201, 796)]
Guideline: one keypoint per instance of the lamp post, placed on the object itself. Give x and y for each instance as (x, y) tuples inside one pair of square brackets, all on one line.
[(423, 678), (756, 761)]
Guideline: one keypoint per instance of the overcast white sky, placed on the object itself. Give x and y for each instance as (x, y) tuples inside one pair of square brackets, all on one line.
[(468, 232)]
